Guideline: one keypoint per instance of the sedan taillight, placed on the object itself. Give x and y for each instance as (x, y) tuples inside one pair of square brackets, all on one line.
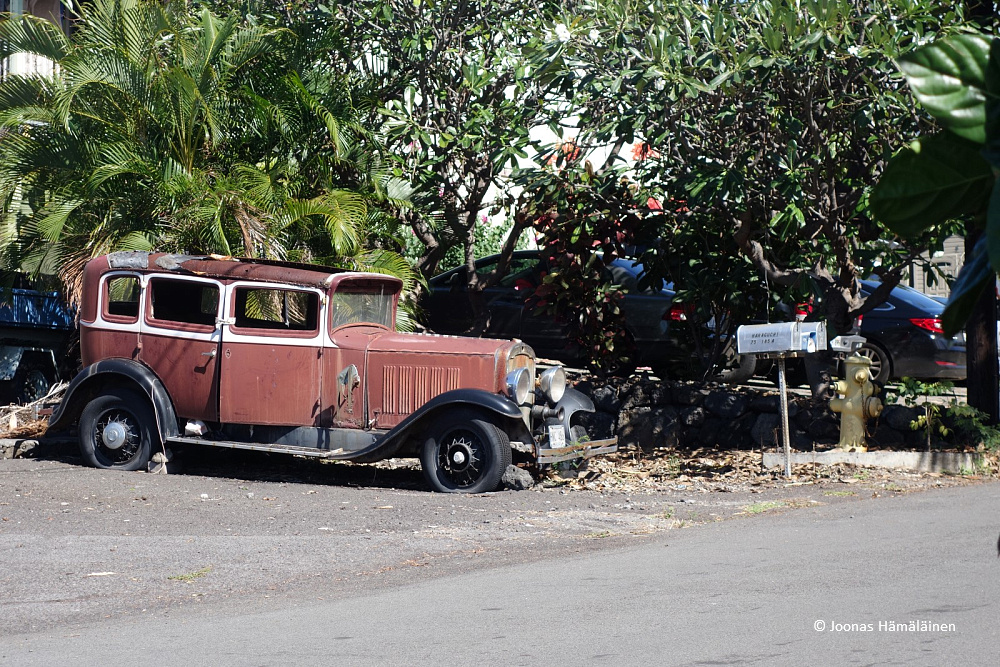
[(678, 313), (932, 324)]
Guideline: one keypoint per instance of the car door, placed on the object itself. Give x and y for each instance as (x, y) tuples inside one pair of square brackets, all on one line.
[(113, 329), (271, 356), (360, 310), (180, 341)]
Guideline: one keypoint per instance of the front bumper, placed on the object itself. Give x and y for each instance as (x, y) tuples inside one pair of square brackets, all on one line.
[(575, 451)]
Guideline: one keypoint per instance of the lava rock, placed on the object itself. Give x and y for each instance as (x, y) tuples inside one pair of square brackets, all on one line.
[(599, 425), (900, 417), (517, 479), (726, 405), (648, 428), (687, 394), (766, 431), (772, 403), (606, 399), (693, 417)]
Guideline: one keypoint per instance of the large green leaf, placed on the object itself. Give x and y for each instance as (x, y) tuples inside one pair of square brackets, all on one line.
[(934, 179), (992, 234), (975, 276), (992, 150), (948, 77)]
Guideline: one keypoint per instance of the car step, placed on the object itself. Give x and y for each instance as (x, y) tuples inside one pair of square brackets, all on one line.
[(258, 447)]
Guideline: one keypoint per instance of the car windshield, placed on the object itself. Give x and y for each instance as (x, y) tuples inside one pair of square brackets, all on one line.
[(628, 273), (355, 306)]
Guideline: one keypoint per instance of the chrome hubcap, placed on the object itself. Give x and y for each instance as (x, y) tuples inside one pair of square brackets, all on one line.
[(114, 435), (459, 454)]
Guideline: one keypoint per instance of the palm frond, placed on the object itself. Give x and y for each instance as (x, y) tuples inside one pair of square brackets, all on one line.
[(32, 35)]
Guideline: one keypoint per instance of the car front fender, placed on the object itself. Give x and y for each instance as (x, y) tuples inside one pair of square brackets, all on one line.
[(573, 401), (395, 439)]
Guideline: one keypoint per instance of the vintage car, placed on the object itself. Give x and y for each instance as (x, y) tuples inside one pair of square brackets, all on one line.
[(305, 360)]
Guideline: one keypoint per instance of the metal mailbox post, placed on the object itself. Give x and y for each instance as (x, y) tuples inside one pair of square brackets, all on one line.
[(781, 341)]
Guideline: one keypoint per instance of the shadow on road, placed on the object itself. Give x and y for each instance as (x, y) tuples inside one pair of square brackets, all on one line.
[(254, 466)]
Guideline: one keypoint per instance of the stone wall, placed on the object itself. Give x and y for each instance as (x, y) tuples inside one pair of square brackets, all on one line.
[(650, 414)]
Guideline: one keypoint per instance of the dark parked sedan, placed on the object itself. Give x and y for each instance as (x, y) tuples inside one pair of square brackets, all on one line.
[(648, 313), (905, 339)]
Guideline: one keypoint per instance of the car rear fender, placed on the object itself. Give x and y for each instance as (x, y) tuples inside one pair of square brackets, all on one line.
[(111, 373)]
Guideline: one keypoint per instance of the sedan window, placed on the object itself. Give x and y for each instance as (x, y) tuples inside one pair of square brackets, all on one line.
[(184, 302), (263, 308)]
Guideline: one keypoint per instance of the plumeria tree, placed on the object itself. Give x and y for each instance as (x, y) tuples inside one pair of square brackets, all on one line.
[(450, 82), (764, 125)]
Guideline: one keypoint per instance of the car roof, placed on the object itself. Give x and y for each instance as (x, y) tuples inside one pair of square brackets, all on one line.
[(232, 268), (903, 295), (631, 268)]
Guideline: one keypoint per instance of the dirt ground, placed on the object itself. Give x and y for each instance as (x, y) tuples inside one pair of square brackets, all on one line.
[(662, 474)]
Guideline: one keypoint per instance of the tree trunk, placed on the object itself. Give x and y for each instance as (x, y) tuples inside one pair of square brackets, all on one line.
[(981, 348)]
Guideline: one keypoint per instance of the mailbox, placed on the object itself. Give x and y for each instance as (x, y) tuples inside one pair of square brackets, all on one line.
[(788, 339)]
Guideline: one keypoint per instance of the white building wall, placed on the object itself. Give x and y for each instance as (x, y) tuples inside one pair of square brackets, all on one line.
[(24, 64), (949, 260)]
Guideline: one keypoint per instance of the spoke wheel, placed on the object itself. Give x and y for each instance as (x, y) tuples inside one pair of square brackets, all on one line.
[(881, 367), (117, 431), (468, 454)]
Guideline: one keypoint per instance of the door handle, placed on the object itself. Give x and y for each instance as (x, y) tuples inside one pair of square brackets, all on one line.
[(210, 355)]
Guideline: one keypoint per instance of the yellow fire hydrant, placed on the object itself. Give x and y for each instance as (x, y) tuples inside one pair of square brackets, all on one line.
[(858, 404)]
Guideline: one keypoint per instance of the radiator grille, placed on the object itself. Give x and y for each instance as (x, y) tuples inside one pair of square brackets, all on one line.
[(405, 388)]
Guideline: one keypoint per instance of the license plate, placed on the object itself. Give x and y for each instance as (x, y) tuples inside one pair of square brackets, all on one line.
[(557, 436)]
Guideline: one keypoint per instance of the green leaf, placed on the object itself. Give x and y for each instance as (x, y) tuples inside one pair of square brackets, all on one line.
[(992, 234), (975, 276), (933, 180), (948, 77), (992, 150)]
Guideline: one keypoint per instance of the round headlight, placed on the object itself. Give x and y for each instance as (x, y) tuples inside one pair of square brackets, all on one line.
[(553, 383), (519, 384)]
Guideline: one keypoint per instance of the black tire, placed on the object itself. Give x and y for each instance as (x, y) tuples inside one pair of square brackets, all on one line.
[(735, 368), (120, 415), (467, 454), (881, 368), (33, 380)]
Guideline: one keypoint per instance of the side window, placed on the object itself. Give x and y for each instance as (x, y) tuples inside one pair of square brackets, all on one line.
[(121, 299), (523, 273), (183, 302), (484, 268), (276, 309)]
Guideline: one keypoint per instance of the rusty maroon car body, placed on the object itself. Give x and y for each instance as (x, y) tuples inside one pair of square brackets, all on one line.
[(302, 360)]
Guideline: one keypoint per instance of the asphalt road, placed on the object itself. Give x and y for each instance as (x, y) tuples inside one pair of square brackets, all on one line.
[(100, 567)]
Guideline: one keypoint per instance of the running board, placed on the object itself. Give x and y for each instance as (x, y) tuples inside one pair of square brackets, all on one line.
[(257, 447)]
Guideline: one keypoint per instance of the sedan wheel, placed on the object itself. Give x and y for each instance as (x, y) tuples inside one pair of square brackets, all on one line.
[(880, 365), (467, 455), (117, 430)]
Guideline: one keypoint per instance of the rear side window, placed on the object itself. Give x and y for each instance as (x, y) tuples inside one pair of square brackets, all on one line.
[(276, 309), (121, 299), (183, 302)]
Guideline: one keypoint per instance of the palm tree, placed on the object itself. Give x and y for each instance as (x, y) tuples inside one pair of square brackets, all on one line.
[(162, 129)]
